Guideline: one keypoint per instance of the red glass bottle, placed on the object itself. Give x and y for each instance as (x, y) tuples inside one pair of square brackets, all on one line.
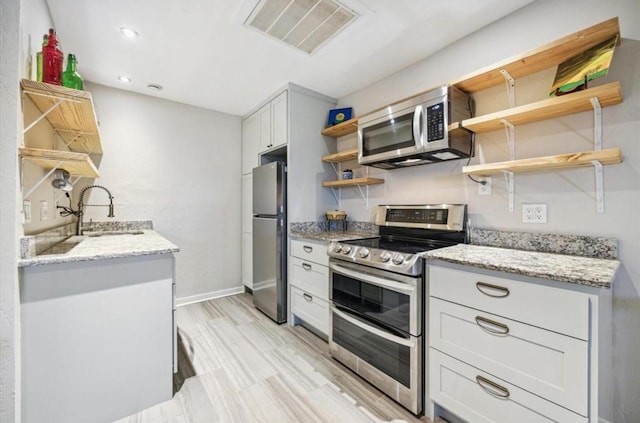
[(52, 59)]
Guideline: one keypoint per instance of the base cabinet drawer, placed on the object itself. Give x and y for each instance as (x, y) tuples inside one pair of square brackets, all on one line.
[(479, 397), (547, 307), (548, 364), (310, 277), (311, 309), (310, 251)]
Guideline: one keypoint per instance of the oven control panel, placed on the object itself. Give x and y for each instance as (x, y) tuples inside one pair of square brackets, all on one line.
[(408, 264), (448, 217)]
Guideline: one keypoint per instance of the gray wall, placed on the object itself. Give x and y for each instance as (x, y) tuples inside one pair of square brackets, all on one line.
[(569, 194)]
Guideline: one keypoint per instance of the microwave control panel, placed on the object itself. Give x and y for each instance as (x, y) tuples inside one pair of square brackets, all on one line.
[(435, 122)]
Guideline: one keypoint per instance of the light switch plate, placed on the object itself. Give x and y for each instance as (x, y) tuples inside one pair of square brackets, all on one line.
[(534, 213), (44, 210)]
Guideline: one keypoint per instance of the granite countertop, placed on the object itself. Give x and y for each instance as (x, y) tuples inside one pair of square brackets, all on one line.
[(328, 236), (594, 272), (105, 246)]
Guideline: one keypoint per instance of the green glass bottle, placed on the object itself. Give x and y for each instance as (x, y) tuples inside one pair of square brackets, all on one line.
[(45, 42), (70, 77)]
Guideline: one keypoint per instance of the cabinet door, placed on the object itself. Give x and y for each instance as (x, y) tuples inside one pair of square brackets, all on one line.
[(279, 132), (250, 140), (264, 117), (247, 199), (247, 259)]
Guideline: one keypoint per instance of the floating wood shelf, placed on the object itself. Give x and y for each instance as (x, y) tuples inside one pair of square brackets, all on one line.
[(342, 156), (352, 182), (543, 57), (552, 107), (77, 164), (539, 164), (74, 119), (340, 130)]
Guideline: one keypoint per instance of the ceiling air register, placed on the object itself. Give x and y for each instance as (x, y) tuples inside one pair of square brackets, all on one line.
[(303, 24)]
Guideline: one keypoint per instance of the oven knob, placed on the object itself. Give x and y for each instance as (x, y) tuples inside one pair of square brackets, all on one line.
[(364, 252), (385, 256), (398, 258), (337, 248), (346, 249)]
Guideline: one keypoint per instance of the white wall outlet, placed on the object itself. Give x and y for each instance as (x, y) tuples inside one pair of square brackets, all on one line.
[(485, 189), (534, 213), (44, 210), (26, 209)]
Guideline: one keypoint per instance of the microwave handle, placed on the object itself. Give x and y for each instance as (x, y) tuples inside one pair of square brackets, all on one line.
[(417, 127)]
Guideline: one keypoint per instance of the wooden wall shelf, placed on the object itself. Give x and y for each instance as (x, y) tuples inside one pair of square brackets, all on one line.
[(352, 182), (552, 107), (543, 57), (342, 156), (77, 164), (340, 130), (74, 119), (539, 164)]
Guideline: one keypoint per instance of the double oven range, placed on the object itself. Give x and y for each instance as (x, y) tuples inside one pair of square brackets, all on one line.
[(377, 292)]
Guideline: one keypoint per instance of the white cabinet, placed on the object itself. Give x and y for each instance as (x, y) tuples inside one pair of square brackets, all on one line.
[(273, 121), (247, 230), (309, 283), (504, 350), (250, 140)]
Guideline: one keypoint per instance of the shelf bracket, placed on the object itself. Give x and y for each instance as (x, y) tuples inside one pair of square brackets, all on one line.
[(28, 193), (597, 124), (599, 174), (511, 87), (364, 195), (42, 116), (337, 196), (508, 177), (510, 132)]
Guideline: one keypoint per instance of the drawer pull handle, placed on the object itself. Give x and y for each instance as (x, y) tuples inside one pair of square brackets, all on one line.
[(492, 387), (492, 326), (492, 290), (307, 297), (307, 249), (306, 266)]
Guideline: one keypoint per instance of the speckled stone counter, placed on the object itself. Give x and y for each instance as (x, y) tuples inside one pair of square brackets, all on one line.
[(593, 272), (102, 247), (328, 236)]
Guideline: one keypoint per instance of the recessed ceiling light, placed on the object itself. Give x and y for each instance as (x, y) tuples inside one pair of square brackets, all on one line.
[(155, 87), (123, 78), (128, 32)]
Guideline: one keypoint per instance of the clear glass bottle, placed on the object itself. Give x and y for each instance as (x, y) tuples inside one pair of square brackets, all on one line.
[(70, 77), (45, 41), (52, 59)]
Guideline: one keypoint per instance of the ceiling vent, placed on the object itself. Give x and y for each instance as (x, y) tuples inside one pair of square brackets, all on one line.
[(303, 24)]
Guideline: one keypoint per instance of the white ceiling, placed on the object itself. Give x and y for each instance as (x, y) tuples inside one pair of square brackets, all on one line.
[(203, 55)]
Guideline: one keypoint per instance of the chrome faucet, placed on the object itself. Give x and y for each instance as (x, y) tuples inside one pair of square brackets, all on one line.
[(81, 205)]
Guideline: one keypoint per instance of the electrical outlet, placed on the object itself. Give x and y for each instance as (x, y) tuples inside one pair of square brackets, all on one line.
[(26, 209), (485, 189), (44, 210), (534, 213)]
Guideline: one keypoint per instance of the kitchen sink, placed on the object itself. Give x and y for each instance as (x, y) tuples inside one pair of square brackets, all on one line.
[(61, 248), (101, 233)]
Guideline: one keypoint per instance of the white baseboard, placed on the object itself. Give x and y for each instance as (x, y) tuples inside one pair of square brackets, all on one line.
[(209, 296)]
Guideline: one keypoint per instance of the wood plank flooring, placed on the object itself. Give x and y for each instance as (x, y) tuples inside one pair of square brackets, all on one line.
[(238, 366)]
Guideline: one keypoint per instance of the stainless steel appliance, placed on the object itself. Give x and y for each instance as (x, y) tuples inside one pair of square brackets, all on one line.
[(416, 131), (270, 240), (376, 289)]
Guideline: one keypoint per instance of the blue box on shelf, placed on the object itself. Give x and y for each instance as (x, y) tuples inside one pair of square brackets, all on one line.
[(337, 116)]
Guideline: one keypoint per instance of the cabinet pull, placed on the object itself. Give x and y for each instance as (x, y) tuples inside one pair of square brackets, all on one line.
[(307, 249), (492, 326), (306, 266), (492, 290), (307, 297), (492, 387)]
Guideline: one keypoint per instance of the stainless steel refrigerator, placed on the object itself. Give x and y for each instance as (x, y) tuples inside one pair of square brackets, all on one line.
[(270, 240)]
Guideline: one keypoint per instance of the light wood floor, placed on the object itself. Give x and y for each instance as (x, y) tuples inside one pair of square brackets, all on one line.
[(248, 369)]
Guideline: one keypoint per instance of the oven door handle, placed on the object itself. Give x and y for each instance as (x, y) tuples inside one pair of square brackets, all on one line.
[(371, 329), (403, 288)]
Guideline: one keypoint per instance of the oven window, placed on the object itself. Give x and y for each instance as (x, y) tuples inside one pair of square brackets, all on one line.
[(388, 357), (389, 135), (387, 307)]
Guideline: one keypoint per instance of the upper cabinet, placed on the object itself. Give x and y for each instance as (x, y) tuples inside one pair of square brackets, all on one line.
[(250, 141), (273, 123)]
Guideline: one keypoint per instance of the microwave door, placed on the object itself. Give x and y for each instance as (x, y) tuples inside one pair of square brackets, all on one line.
[(388, 137)]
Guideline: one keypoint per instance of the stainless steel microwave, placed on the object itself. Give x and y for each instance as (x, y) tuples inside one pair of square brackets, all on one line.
[(416, 131)]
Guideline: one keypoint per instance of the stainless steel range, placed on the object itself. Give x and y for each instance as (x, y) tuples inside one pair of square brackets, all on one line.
[(377, 296)]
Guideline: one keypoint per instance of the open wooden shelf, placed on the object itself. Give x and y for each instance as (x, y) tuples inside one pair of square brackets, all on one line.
[(74, 119), (352, 182), (543, 57), (539, 164), (342, 156), (340, 130), (552, 107), (77, 164)]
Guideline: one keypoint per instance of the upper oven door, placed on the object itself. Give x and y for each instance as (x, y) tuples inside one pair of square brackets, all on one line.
[(388, 301)]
